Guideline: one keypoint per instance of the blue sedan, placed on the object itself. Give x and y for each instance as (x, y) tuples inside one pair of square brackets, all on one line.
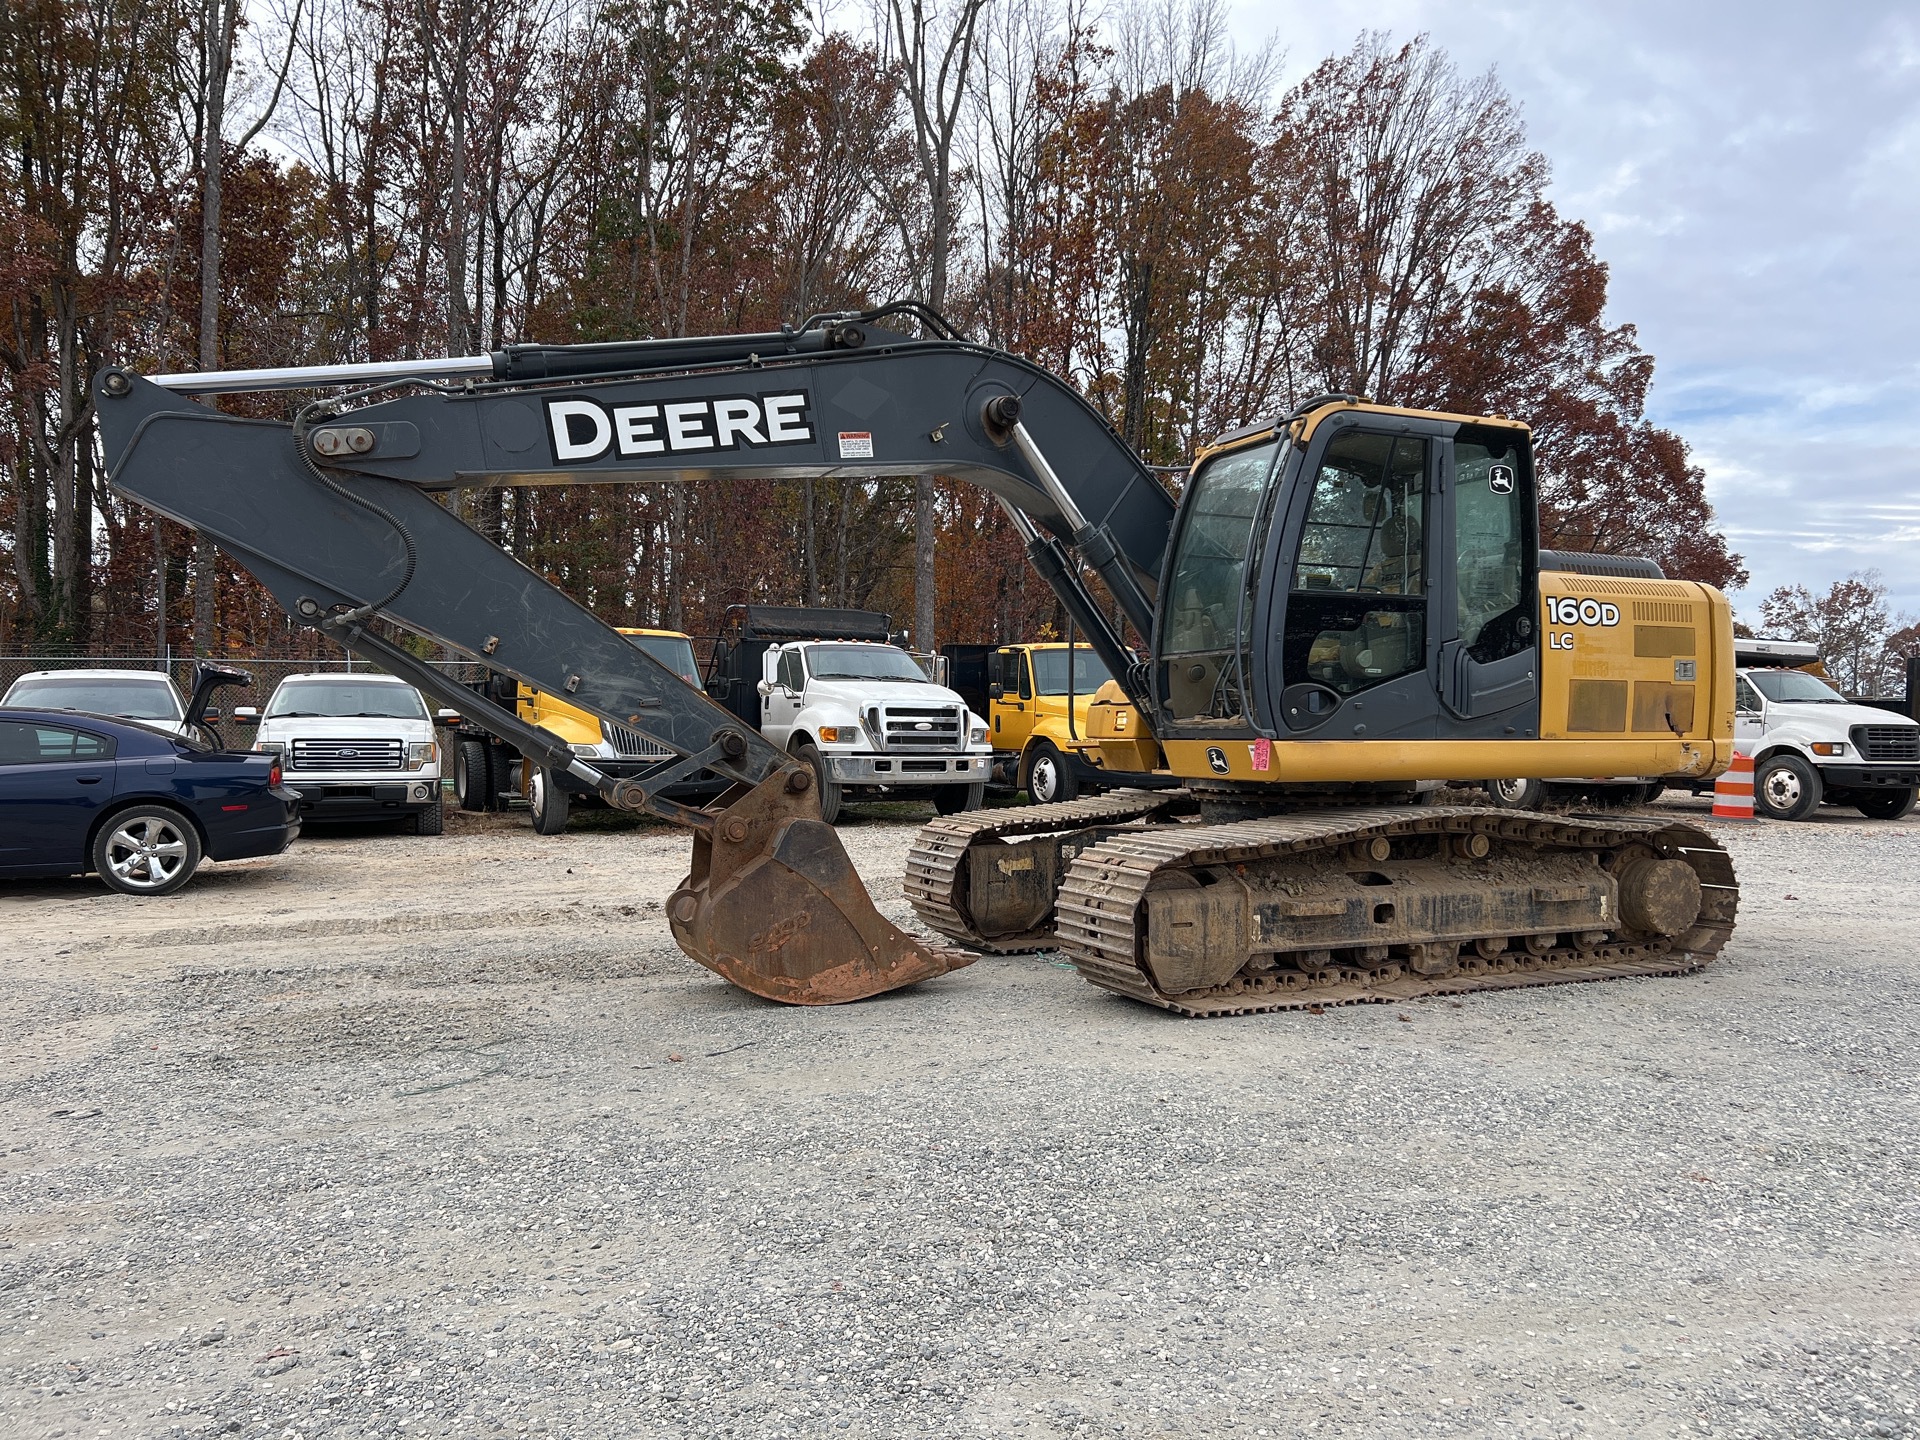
[(138, 807)]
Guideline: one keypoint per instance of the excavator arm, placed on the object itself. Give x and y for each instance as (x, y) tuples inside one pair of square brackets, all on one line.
[(336, 514)]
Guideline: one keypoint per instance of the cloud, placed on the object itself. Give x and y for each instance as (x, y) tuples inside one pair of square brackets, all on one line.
[(1751, 172)]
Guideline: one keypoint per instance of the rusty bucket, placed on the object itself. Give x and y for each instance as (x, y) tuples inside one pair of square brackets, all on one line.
[(774, 905)]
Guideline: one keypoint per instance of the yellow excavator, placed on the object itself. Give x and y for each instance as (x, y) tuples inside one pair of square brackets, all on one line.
[(1346, 603)]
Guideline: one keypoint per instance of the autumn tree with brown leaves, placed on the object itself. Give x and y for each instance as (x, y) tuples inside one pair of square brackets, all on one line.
[(1125, 199)]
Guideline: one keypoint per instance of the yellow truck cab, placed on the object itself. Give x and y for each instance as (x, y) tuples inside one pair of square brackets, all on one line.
[(486, 770), (1036, 705)]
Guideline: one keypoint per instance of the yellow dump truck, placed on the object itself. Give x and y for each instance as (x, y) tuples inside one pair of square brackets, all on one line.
[(487, 770)]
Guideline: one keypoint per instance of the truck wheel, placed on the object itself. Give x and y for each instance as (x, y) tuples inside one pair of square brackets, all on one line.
[(433, 819), (1887, 804), (952, 799), (1050, 776), (824, 785), (547, 800), (1785, 787), (1517, 794), (473, 775), (148, 850)]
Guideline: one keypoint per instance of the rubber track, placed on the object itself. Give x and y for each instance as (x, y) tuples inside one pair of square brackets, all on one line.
[(1101, 895), (939, 851)]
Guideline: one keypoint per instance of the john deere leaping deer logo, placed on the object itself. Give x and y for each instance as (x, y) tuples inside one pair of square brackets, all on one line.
[(1217, 760)]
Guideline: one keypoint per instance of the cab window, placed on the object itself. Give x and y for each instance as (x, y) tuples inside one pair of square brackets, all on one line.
[(1492, 496), (1209, 570), (1205, 601), (791, 674), (1745, 697), (1357, 613)]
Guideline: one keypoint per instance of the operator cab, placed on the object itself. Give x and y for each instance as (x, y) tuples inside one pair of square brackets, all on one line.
[(1355, 572)]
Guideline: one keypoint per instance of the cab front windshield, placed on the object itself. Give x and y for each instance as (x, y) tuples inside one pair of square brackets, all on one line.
[(345, 699), (863, 662), (673, 651), (1795, 687), (1050, 672)]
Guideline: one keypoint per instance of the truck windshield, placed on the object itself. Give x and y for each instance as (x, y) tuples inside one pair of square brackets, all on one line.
[(131, 699), (673, 651), (863, 662), (1794, 687), (345, 699), (1050, 672)]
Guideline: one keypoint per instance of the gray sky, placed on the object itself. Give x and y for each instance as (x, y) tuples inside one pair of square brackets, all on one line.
[(1751, 173)]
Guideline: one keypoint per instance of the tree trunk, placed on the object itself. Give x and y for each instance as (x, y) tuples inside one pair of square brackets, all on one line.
[(219, 20), (810, 558)]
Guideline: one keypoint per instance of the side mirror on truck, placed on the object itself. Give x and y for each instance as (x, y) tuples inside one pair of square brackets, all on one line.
[(996, 690)]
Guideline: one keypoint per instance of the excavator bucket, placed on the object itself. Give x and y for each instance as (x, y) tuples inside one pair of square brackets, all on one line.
[(774, 905)]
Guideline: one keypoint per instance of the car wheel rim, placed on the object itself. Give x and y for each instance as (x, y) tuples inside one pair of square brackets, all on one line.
[(1782, 789), (1043, 781), (146, 854)]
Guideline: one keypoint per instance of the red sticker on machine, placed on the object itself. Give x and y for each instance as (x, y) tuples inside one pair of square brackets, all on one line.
[(1262, 752)]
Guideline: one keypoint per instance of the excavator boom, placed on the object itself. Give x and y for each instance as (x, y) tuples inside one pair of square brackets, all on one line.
[(335, 512)]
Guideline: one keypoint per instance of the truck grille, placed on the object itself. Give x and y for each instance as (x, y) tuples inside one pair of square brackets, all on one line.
[(918, 728), (1897, 743), (314, 755), (632, 742)]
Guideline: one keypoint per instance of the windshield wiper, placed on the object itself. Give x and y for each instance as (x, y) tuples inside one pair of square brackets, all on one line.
[(296, 715)]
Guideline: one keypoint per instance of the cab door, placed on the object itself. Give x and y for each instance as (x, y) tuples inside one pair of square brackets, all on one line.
[(1353, 646), (1749, 713), (1486, 594), (785, 695), (1013, 711)]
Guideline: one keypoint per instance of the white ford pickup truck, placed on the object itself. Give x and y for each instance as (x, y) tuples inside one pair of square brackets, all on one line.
[(357, 747)]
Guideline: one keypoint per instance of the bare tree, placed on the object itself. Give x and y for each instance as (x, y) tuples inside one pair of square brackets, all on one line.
[(936, 53), (214, 51)]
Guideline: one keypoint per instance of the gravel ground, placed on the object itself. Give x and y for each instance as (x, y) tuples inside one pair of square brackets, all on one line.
[(444, 1137)]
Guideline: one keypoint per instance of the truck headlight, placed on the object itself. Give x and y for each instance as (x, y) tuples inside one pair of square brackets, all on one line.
[(839, 734), (270, 747), (977, 735), (421, 752), (1829, 747)]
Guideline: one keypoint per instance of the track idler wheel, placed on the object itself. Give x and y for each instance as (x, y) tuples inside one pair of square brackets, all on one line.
[(773, 905)]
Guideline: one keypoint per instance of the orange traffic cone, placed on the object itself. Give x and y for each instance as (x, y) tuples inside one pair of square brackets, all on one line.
[(1733, 791)]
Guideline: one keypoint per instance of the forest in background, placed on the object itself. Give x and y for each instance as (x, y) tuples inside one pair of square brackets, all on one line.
[(1116, 193)]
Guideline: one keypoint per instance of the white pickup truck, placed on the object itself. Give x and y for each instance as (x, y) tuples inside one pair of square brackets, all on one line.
[(1811, 745), (357, 747)]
